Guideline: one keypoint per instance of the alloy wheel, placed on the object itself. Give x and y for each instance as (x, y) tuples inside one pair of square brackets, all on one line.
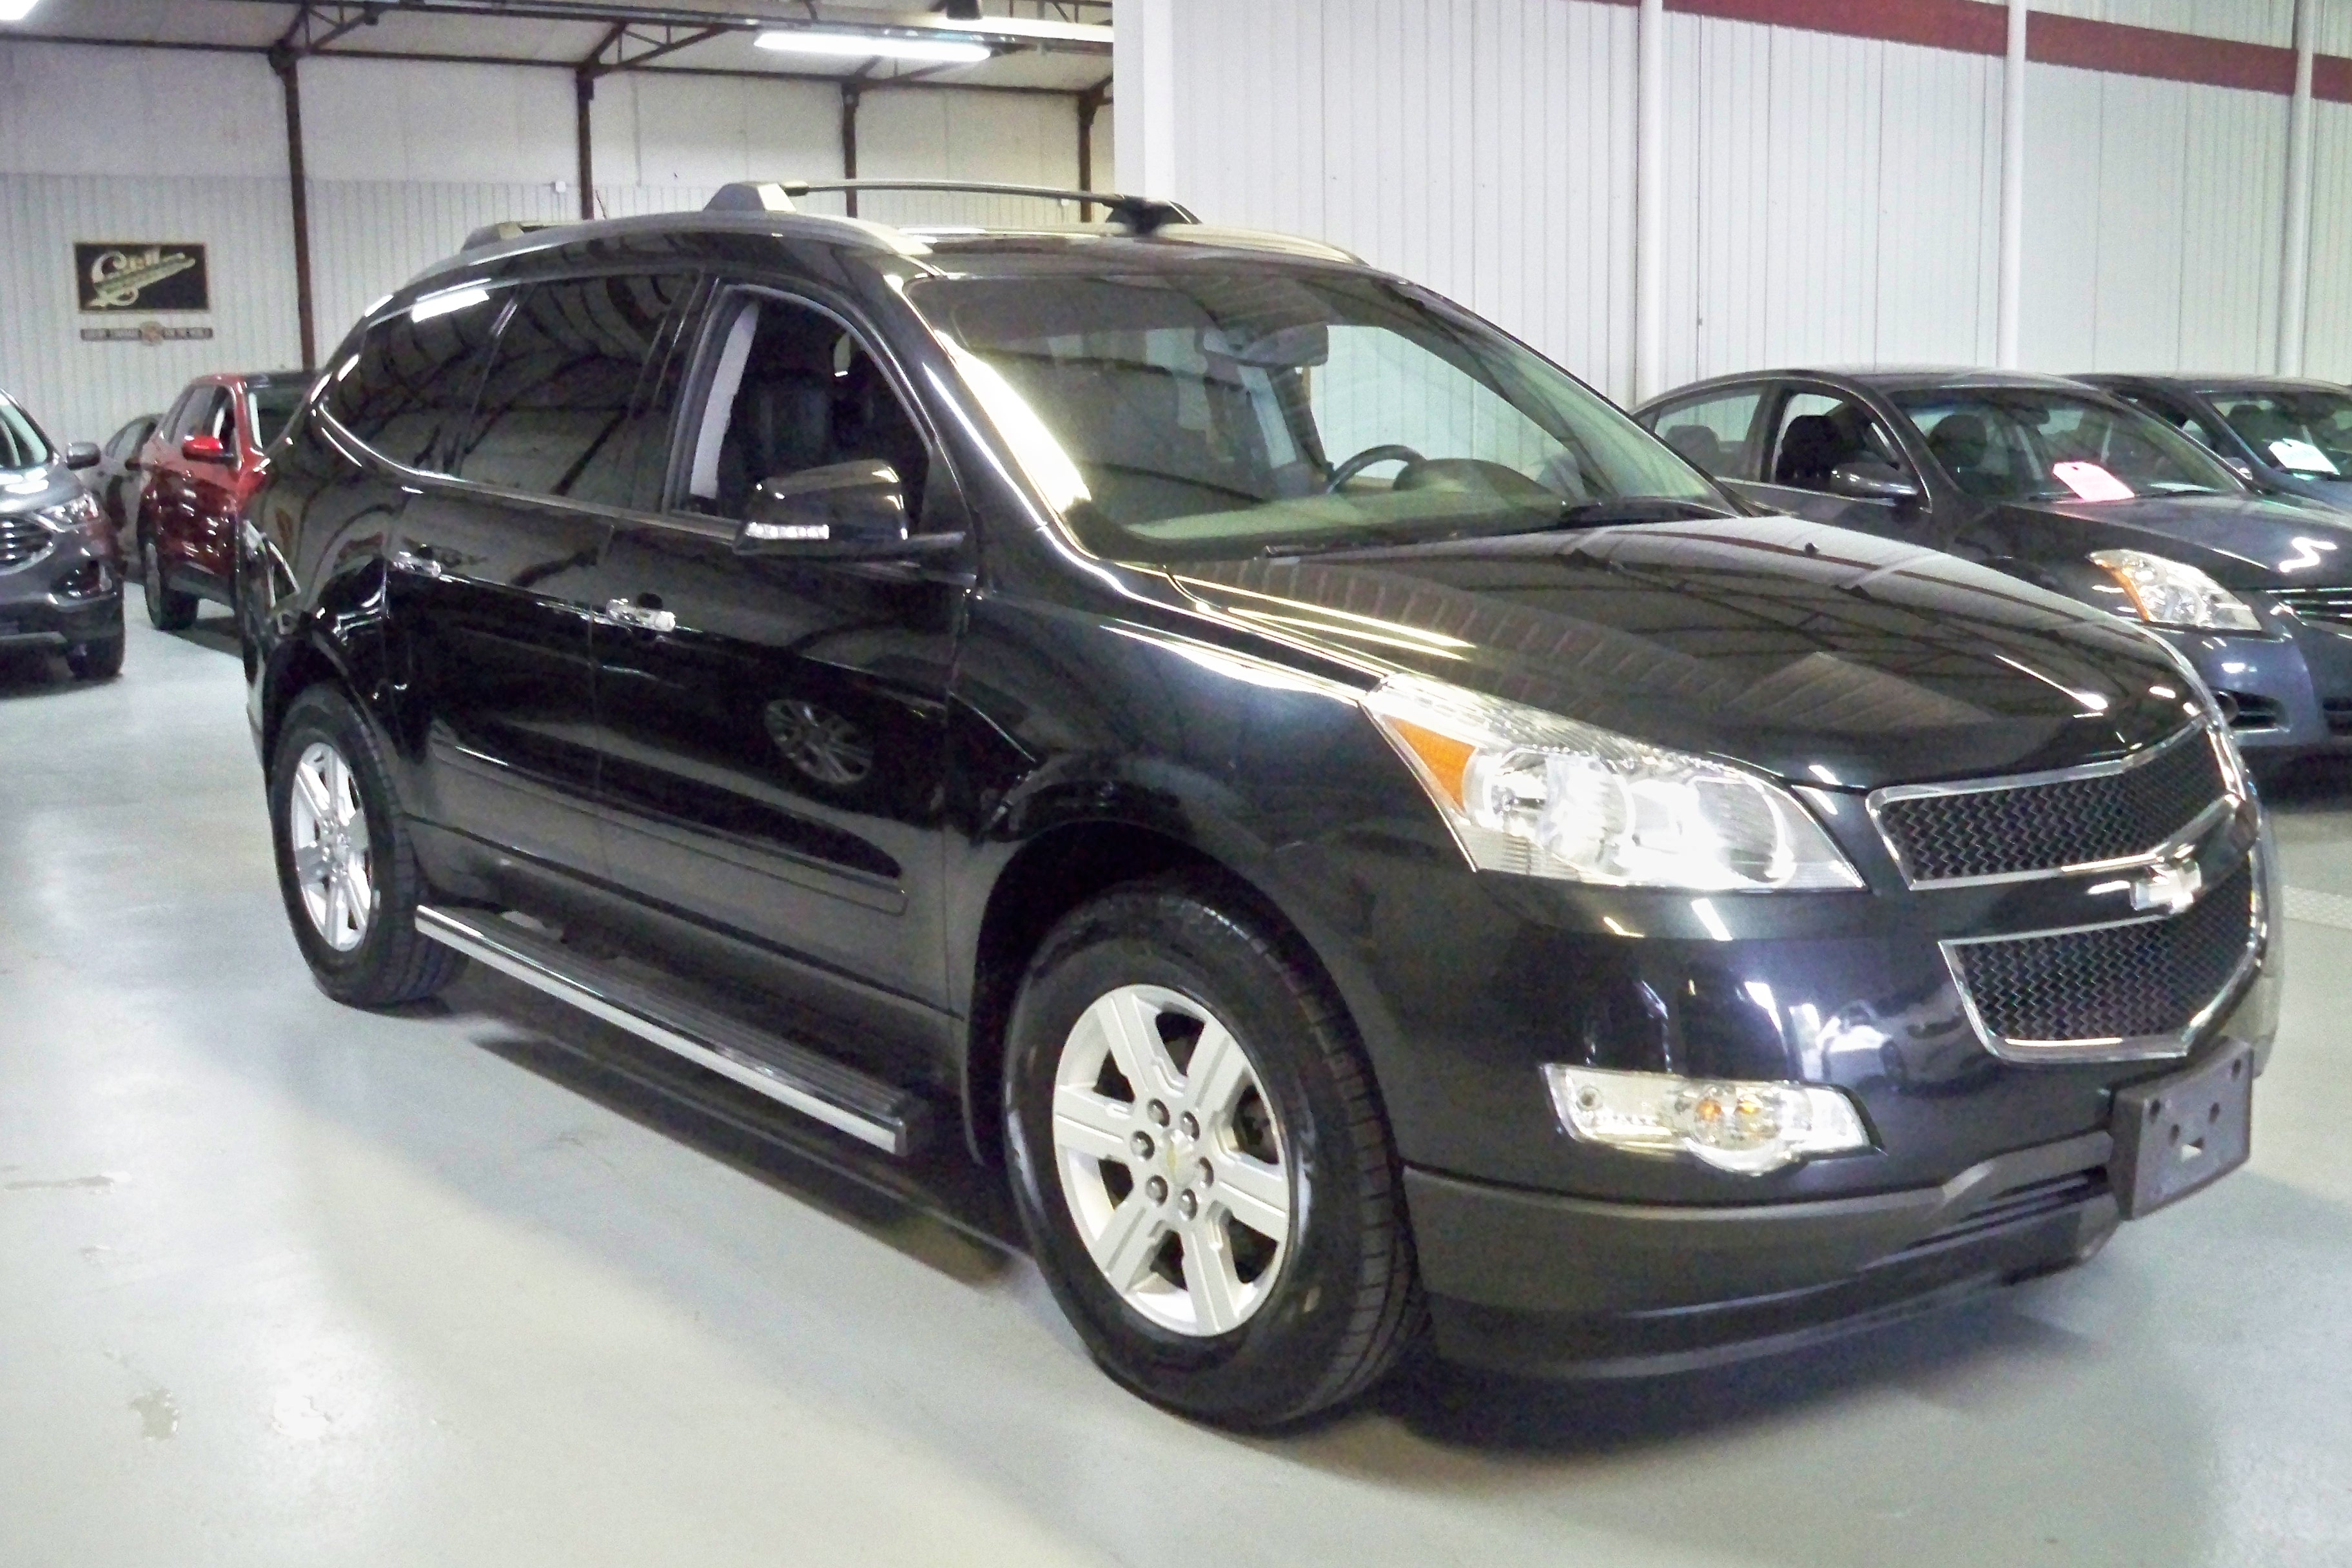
[(1171, 1161), (326, 831)]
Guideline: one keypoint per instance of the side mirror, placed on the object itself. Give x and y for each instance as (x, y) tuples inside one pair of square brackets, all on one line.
[(1874, 481), (843, 512), (81, 455), (204, 449)]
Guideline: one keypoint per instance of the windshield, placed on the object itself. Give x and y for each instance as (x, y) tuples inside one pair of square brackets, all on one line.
[(21, 443), (1198, 412), (2303, 432), (2026, 444), (272, 407)]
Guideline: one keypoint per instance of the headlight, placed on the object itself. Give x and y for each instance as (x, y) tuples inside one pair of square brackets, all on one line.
[(1529, 792), (2166, 593), (80, 515), (1751, 1128)]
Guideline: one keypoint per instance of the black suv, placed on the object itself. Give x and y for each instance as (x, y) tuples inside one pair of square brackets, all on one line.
[(1364, 835), (60, 566)]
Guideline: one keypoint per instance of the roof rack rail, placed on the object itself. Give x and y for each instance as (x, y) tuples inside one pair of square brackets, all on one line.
[(1137, 215), (510, 228)]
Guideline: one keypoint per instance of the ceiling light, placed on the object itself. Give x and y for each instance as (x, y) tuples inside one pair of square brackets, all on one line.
[(1027, 27), (860, 46), (17, 10)]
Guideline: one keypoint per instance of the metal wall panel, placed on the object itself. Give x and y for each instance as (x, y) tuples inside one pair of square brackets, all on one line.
[(82, 391), (2328, 335), (368, 236), (1484, 148), (2249, 21)]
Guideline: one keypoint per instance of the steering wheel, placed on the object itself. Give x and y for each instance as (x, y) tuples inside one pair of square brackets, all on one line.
[(1365, 459)]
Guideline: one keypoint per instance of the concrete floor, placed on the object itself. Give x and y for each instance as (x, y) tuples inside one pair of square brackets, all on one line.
[(285, 1283)]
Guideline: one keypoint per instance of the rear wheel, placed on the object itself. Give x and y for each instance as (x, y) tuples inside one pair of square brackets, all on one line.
[(345, 863), (168, 609), (1201, 1164)]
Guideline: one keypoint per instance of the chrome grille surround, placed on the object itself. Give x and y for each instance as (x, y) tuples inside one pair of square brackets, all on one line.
[(2059, 788), (2174, 1041), (24, 540)]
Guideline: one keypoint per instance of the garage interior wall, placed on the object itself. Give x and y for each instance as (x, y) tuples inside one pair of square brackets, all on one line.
[(404, 158), (1831, 199)]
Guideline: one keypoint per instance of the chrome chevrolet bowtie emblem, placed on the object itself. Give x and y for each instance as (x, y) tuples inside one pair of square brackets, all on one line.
[(2171, 888)]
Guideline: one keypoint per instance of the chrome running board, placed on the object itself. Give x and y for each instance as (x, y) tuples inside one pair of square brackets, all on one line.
[(874, 1112)]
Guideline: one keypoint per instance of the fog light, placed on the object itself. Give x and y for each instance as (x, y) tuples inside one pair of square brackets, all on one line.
[(1747, 1127)]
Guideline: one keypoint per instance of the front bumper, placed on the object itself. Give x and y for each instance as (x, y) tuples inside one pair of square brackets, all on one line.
[(1531, 1283), (41, 610), (2288, 696)]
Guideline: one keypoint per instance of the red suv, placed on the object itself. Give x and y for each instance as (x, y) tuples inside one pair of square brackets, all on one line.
[(203, 461)]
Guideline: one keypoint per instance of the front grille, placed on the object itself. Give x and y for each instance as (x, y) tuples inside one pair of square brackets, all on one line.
[(21, 539), (2112, 983), (2322, 604), (1940, 836)]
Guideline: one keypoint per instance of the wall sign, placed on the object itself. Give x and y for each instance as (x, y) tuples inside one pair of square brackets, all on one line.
[(147, 333), (140, 275)]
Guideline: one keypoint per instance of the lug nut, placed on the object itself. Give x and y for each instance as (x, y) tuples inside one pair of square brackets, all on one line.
[(1187, 1206), (1187, 1126), (1141, 1144), (1158, 1112), (1158, 1189)]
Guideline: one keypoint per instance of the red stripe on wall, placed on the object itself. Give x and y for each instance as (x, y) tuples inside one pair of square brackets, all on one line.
[(2331, 79), (1981, 27), (2146, 52), (1971, 26)]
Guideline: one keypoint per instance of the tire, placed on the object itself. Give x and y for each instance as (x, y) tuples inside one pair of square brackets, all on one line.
[(101, 660), (168, 609), (375, 958), (1334, 1302)]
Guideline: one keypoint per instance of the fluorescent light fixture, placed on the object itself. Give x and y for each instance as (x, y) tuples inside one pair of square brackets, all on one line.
[(863, 45), (17, 10), (1025, 28)]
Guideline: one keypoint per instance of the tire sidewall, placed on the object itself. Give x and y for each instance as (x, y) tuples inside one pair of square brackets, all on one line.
[(321, 714), (1271, 1365)]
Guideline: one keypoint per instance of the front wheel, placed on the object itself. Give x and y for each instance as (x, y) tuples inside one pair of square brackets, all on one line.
[(100, 660), (345, 863), (1201, 1163)]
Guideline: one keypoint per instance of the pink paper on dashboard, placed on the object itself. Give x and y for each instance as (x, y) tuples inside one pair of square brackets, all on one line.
[(2091, 482)]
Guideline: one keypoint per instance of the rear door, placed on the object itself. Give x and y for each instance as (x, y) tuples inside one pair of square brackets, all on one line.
[(494, 568), (775, 731)]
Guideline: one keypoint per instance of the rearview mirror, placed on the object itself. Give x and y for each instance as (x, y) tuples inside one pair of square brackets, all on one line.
[(1874, 481), (842, 512), (204, 449), (81, 455)]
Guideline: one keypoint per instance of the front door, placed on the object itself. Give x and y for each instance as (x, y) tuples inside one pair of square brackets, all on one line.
[(494, 569), (774, 731), (1807, 434)]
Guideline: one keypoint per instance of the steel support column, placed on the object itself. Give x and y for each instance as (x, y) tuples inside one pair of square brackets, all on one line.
[(289, 68), (2010, 286), (1090, 104), (851, 91), (2295, 271), (584, 93), (1650, 203)]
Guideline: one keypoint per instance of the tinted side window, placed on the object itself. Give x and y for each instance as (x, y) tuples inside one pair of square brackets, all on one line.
[(414, 373), (1820, 433), (556, 416), (1712, 434)]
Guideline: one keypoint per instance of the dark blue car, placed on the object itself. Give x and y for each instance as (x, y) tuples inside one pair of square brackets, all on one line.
[(2068, 487), (2288, 436)]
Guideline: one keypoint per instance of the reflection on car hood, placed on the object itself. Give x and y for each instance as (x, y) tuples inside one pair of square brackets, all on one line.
[(2241, 541), (1817, 654), (30, 490)]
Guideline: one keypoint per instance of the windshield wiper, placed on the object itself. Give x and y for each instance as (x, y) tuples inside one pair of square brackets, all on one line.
[(1636, 509)]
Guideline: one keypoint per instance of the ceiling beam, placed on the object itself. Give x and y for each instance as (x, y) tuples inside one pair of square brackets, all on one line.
[(412, 57)]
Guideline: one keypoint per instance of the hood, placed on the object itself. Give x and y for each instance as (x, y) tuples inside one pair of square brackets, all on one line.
[(30, 490), (1821, 656), (2239, 541), (2334, 494)]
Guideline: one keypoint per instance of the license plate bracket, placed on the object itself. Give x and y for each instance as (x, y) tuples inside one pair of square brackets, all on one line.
[(2180, 1134)]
